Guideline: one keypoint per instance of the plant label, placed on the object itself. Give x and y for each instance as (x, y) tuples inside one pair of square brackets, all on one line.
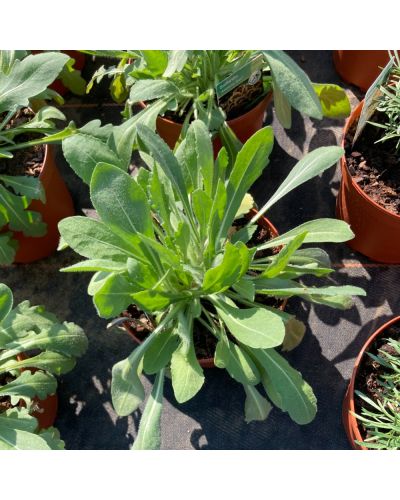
[(250, 72)]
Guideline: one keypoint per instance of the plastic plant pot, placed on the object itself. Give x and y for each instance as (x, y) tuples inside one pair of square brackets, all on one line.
[(349, 421), (377, 231)]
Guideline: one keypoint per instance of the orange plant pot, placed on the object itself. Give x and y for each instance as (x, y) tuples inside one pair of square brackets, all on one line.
[(47, 408), (58, 206), (360, 67), (209, 362), (377, 231), (244, 126), (349, 421)]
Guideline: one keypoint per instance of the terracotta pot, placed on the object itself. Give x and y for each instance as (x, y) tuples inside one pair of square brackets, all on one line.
[(209, 362), (58, 206), (360, 67), (377, 231), (349, 421), (47, 408), (244, 126)]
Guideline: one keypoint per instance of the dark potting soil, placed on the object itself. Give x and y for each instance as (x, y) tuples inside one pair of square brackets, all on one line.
[(204, 342), (27, 161), (236, 103), (375, 167), (5, 401), (370, 371)]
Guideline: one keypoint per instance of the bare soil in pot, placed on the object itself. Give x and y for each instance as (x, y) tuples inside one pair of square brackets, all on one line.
[(375, 167), (236, 103), (28, 161), (204, 342), (370, 371)]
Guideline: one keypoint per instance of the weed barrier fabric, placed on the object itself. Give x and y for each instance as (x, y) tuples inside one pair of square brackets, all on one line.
[(214, 418)]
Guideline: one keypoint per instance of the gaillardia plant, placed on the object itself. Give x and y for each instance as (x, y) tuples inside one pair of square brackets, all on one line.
[(211, 85), (34, 347), (166, 242), (24, 79)]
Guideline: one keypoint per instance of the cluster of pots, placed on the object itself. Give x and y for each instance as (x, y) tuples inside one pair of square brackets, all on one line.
[(377, 231)]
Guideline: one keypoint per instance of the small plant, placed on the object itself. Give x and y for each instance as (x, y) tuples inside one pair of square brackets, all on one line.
[(380, 412), (34, 347), (24, 79), (205, 84), (166, 242), (389, 105)]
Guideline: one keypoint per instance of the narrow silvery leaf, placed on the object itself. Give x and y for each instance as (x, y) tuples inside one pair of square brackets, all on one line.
[(255, 327), (282, 259), (311, 165), (256, 406), (149, 435), (294, 83), (176, 61), (93, 265), (318, 231)]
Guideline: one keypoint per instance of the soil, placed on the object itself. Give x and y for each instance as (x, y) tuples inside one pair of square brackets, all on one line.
[(27, 161), (204, 342), (236, 103), (5, 402), (370, 371), (375, 167)]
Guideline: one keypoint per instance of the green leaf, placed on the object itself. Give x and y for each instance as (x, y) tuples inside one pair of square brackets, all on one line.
[(255, 327), (17, 429), (154, 300), (147, 90), (29, 77), (318, 231), (235, 262), (286, 387), (247, 204), (52, 362), (282, 259), (187, 375), (95, 265), (149, 435), (20, 219), (84, 152), (28, 385), (72, 79), (158, 355), (120, 201), (93, 239), (244, 234), (250, 162), (293, 83), (176, 61), (114, 296), (237, 362), (282, 106), (30, 187), (256, 406), (309, 166), (156, 60), (66, 338), (245, 288), (6, 301), (333, 99), (52, 437)]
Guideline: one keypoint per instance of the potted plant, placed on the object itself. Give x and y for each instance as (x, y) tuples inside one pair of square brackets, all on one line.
[(33, 196), (173, 245), (372, 404), (360, 67), (34, 347), (370, 187), (174, 87)]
